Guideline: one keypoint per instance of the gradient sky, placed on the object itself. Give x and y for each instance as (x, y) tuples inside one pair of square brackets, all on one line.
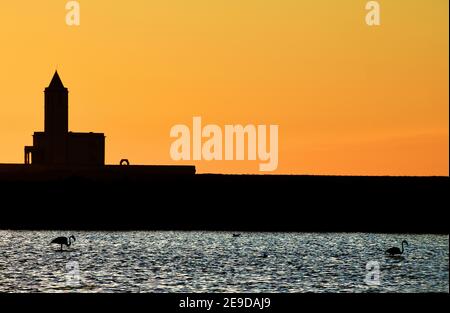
[(349, 99)]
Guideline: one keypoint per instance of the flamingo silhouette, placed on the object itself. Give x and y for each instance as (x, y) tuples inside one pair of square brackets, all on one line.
[(396, 250), (64, 241)]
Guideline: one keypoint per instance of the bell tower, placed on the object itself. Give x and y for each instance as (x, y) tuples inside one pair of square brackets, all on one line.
[(56, 107), (56, 120)]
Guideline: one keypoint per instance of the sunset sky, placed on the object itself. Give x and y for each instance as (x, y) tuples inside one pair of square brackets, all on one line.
[(349, 99)]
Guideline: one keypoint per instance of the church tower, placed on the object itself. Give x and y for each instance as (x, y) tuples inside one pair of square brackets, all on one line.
[(56, 146), (56, 120), (56, 107)]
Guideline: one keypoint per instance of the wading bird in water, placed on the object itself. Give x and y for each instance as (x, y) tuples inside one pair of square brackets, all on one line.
[(64, 241), (396, 250)]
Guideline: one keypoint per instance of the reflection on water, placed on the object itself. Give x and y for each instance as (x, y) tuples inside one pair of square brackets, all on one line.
[(220, 262)]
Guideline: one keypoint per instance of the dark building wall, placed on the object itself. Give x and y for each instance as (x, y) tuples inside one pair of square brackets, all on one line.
[(80, 149), (86, 149), (39, 148)]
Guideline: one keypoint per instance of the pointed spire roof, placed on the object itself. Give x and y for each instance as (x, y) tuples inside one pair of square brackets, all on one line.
[(56, 82)]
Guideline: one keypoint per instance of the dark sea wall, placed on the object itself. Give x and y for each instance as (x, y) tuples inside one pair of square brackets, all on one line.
[(228, 202)]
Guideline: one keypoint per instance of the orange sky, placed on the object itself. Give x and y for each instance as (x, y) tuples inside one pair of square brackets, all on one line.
[(348, 98)]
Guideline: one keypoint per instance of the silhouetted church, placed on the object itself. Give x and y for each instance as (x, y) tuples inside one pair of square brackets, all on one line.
[(56, 145)]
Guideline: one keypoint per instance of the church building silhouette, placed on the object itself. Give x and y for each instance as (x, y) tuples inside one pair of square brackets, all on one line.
[(57, 145)]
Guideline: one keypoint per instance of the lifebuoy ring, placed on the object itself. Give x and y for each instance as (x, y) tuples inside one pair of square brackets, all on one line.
[(124, 162)]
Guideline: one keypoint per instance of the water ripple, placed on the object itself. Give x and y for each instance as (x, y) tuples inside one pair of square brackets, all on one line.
[(219, 262)]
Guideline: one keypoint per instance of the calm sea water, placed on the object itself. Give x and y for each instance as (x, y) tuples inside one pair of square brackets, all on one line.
[(219, 262)]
